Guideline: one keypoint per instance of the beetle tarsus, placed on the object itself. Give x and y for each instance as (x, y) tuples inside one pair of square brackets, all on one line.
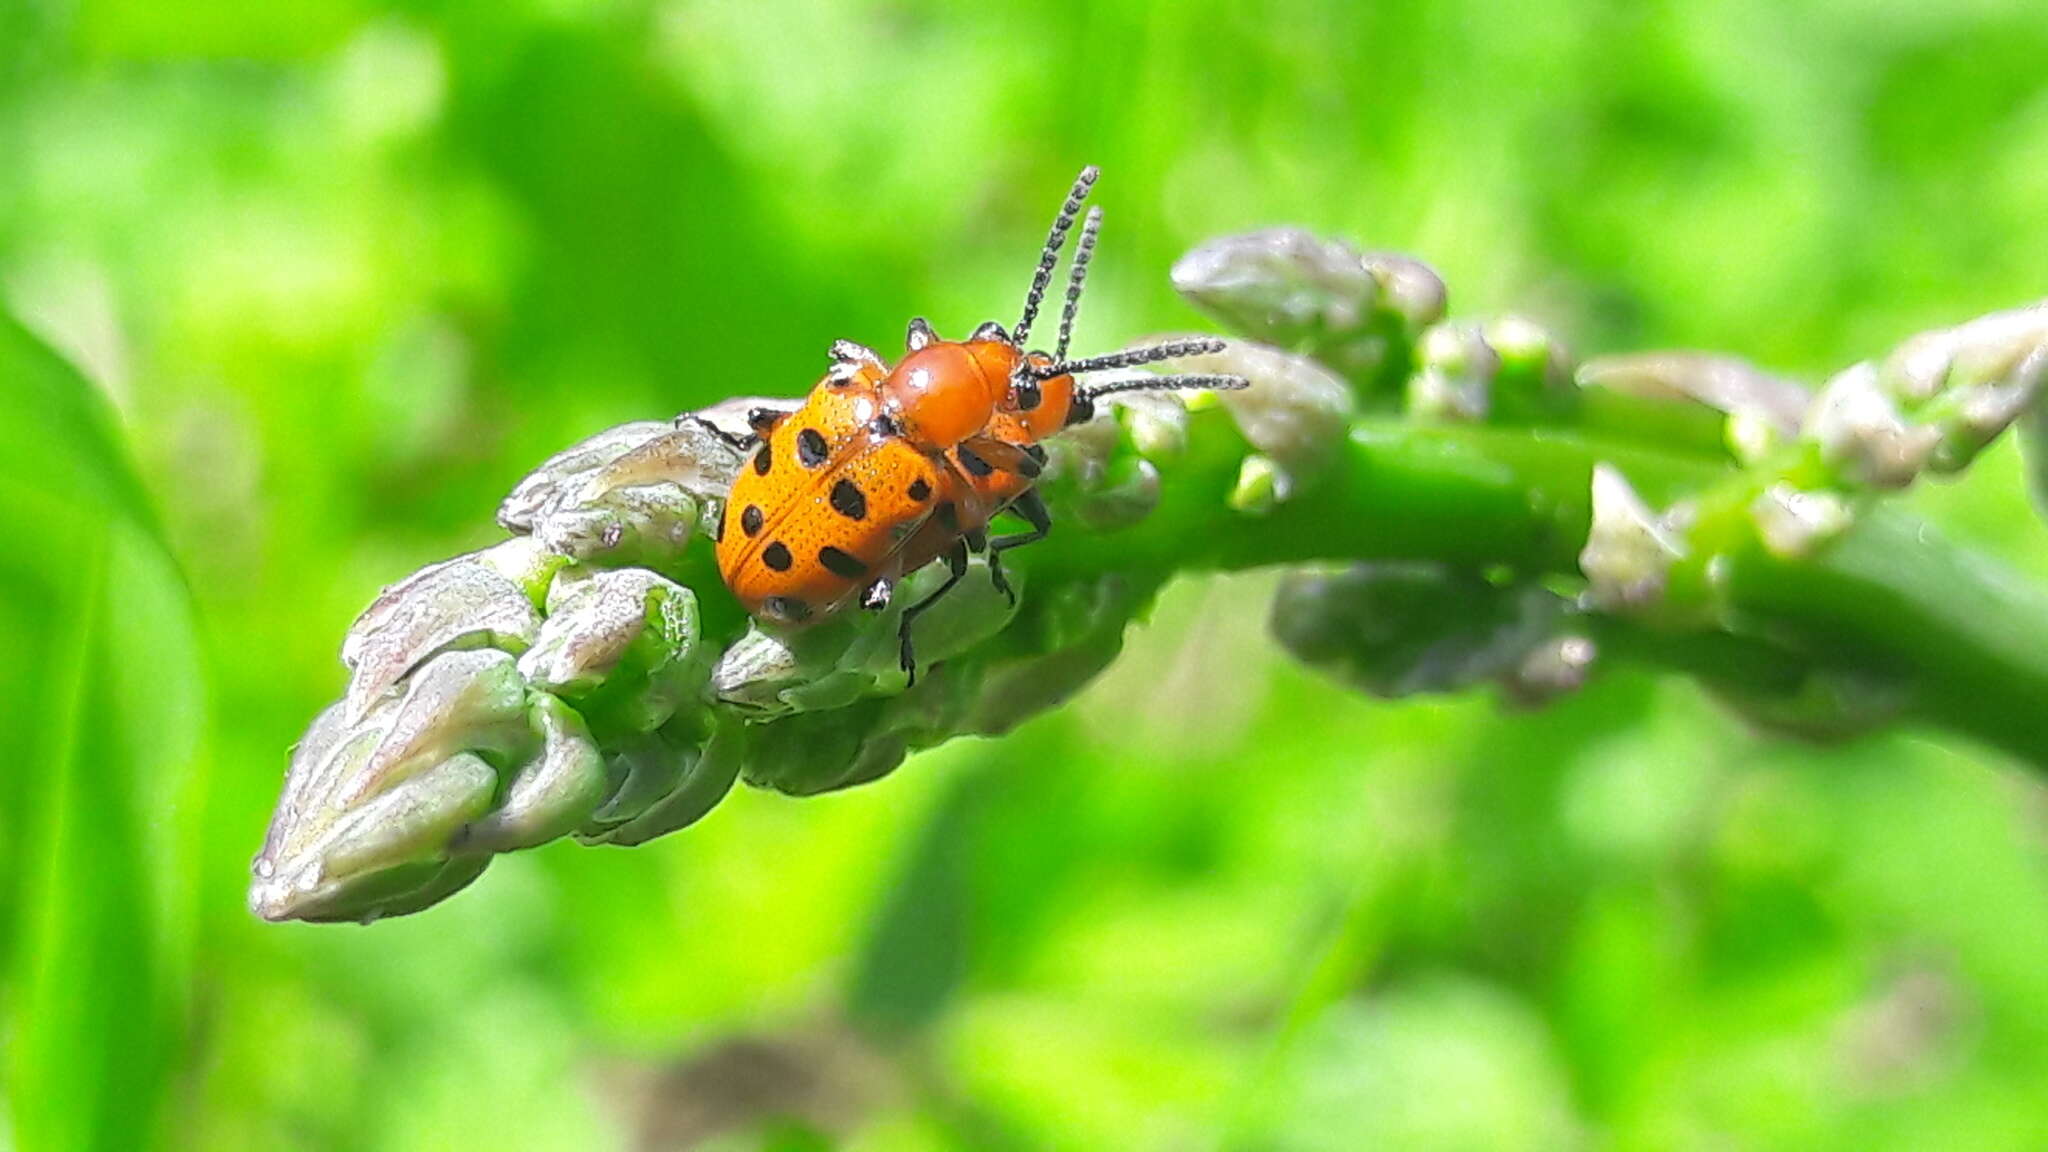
[(739, 442), (1030, 506), (876, 596), (956, 565)]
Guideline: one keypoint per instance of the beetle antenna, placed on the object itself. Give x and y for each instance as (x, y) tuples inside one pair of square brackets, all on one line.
[(1084, 250), (1050, 255), (1166, 350), (1215, 383)]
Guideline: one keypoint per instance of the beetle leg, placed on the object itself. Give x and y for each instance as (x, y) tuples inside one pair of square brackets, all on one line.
[(738, 442), (762, 421), (876, 596), (956, 564), (1003, 455), (1030, 506), (852, 353)]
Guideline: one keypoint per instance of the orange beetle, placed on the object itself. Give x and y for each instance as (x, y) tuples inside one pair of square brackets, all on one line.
[(883, 470)]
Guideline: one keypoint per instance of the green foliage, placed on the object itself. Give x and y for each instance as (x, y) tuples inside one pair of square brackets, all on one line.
[(348, 270), (104, 718)]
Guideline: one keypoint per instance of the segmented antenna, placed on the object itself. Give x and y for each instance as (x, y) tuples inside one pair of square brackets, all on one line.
[(1051, 254), (1084, 250), (1170, 350), (1216, 383)]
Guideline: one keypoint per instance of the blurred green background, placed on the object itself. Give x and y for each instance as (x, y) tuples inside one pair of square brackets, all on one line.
[(343, 270)]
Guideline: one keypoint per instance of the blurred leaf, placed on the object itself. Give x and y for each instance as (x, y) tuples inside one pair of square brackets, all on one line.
[(100, 734), (1440, 1065), (916, 952)]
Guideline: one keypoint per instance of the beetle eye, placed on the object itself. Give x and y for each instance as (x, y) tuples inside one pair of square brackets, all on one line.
[(1028, 394)]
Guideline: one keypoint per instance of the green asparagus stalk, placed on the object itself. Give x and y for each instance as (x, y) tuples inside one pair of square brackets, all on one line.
[(1465, 506)]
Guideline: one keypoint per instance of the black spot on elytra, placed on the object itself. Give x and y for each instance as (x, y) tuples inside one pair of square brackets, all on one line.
[(841, 564), (975, 465), (949, 516), (786, 608), (750, 520), (764, 459), (919, 491), (777, 556), (810, 447), (848, 501)]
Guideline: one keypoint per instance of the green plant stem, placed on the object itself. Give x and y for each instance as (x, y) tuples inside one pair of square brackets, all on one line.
[(1963, 642), (1967, 638), (1458, 493)]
